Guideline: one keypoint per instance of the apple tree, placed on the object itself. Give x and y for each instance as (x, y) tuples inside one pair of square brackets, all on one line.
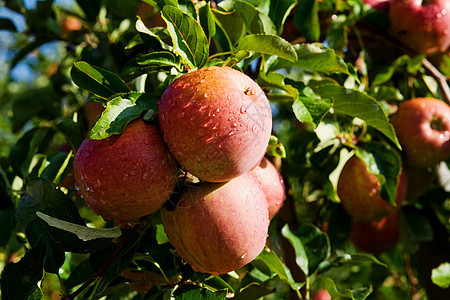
[(242, 149)]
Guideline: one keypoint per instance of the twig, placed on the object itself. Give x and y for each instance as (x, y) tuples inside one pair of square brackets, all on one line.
[(441, 78)]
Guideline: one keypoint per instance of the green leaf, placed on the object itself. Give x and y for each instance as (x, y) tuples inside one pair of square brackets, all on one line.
[(218, 284), (357, 104), (274, 80), (279, 10), (386, 93), (357, 294), (311, 107), (189, 40), (255, 20), (230, 29), (119, 112), (163, 58), (275, 148), (315, 57), (156, 38), (194, 292), (82, 232), (19, 280), (441, 275), (207, 20), (268, 44), (307, 19), (100, 82), (311, 246), (37, 294), (161, 236), (385, 163), (254, 291)]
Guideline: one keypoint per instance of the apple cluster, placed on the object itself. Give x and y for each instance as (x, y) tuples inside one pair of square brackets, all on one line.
[(214, 123)]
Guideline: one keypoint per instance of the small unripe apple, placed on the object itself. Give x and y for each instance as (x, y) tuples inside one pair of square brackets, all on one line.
[(218, 227), (422, 25), (126, 176), (271, 183), (377, 236), (381, 5), (359, 191), (423, 129), (216, 122)]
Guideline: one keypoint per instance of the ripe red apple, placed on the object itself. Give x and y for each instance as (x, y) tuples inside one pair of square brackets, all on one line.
[(422, 25), (70, 23), (216, 121), (126, 176), (321, 294), (219, 227), (381, 5), (423, 129), (377, 236), (359, 192), (271, 183)]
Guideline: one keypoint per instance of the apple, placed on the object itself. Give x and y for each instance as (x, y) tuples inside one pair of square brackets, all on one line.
[(216, 122), (380, 5), (376, 236), (218, 227), (359, 192), (271, 183), (422, 25), (92, 111), (321, 294), (126, 176), (150, 16), (423, 129)]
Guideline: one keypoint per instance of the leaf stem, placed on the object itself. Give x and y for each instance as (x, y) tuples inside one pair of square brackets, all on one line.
[(441, 79), (220, 54)]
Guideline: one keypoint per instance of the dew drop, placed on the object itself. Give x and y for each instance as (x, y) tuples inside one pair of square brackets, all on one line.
[(244, 255), (209, 140), (243, 109), (180, 115), (257, 207), (373, 191), (278, 203), (247, 199), (235, 124), (254, 127), (132, 173), (206, 95), (145, 175), (202, 81)]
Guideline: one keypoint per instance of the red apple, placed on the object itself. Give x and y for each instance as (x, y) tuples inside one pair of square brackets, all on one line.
[(216, 122), (219, 227), (126, 176), (423, 129), (70, 23), (321, 294), (271, 183), (422, 25), (93, 111), (381, 5), (377, 236), (359, 192)]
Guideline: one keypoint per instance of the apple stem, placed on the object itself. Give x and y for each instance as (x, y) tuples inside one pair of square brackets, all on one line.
[(441, 78)]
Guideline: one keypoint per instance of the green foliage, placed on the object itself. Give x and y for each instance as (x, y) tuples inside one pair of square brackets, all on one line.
[(333, 76)]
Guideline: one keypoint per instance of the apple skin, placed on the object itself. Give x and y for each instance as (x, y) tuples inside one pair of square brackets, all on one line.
[(359, 192), (271, 183), (380, 5), (70, 23), (216, 122), (423, 27), (377, 236), (321, 294), (126, 176), (423, 129), (218, 227)]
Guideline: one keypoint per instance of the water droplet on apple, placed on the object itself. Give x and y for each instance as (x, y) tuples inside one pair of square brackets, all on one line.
[(254, 127), (145, 175), (231, 133), (206, 95), (257, 207), (132, 173), (209, 140), (77, 188), (278, 203), (247, 199), (243, 109), (235, 124), (202, 81), (180, 115), (244, 255)]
